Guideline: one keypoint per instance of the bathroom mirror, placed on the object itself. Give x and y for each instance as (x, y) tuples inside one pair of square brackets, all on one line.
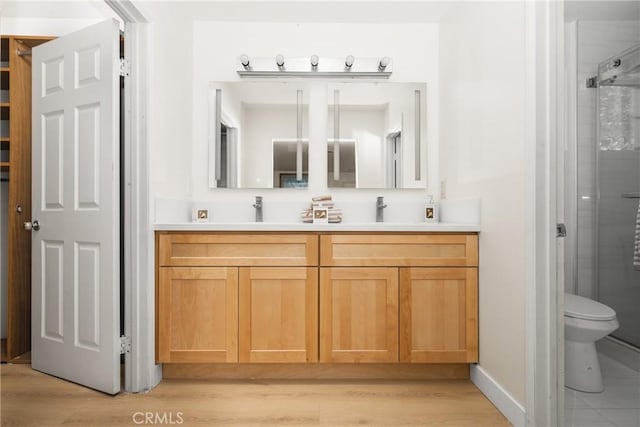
[(258, 135), (376, 135)]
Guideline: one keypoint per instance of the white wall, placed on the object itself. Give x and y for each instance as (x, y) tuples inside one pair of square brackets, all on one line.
[(482, 144)]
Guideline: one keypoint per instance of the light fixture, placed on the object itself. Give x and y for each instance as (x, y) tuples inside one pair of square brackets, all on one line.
[(278, 66), (417, 117), (299, 136), (336, 135), (218, 134), (382, 64), (348, 62), (244, 60)]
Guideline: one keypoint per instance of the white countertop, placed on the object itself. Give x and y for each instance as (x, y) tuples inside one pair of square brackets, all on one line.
[(344, 226)]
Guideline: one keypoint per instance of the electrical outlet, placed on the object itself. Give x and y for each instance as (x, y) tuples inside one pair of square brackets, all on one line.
[(443, 189)]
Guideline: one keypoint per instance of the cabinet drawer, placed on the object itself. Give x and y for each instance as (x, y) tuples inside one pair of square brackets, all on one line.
[(403, 250), (222, 249)]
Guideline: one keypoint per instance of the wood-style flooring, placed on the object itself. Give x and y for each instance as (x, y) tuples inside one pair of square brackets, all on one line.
[(30, 398)]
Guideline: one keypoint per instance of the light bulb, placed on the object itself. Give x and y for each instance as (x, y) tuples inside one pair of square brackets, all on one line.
[(244, 60), (383, 63), (348, 62), (314, 60), (280, 60)]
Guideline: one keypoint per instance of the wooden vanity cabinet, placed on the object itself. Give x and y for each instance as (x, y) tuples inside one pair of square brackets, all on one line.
[(278, 309), (198, 314), (237, 297), (399, 297), (308, 297), (358, 314), (438, 315)]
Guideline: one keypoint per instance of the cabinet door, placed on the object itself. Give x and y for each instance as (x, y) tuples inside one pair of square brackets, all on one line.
[(439, 315), (278, 314), (359, 314), (198, 314)]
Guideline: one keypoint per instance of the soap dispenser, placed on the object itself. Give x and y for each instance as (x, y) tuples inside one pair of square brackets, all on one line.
[(431, 210)]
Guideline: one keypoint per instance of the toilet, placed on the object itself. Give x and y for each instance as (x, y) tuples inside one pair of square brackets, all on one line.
[(585, 322)]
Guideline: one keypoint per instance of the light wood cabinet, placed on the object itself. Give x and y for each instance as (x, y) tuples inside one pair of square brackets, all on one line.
[(278, 314), (198, 319), (238, 249), (217, 304), (439, 315), (308, 297), (398, 250), (358, 314)]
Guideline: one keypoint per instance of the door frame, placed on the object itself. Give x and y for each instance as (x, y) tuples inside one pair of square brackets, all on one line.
[(545, 126), (141, 372)]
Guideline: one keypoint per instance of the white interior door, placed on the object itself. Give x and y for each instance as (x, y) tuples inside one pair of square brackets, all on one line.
[(75, 264)]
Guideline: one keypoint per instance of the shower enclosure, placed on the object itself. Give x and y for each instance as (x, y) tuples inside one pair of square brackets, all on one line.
[(618, 190)]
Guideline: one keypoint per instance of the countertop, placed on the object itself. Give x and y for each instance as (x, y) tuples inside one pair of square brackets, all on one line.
[(344, 226)]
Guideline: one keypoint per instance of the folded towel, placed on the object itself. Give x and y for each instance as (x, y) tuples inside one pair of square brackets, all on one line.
[(636, 246), (320, 198)]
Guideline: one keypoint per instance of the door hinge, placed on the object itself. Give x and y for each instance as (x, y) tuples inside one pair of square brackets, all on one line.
[(125, 344), (125, 68), (592, 82), (561, 230)]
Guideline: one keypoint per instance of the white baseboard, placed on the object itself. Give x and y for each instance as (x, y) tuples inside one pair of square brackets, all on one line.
[(502, 400), (620, 351)]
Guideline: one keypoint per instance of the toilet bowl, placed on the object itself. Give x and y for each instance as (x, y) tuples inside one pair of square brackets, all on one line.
[(585, 322)]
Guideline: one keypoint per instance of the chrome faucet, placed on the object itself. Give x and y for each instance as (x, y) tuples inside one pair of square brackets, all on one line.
[(258, 206), (379, 209)]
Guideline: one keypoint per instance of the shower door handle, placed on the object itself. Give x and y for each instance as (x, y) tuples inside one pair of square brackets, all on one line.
[(631, 195)]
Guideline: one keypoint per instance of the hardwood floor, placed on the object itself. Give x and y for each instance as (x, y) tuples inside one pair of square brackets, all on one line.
[(30, 398)]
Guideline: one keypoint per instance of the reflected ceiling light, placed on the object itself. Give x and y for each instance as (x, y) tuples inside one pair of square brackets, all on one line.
[(280, 60), (244, 60), (348, 62), (314, 61), (384, 61)]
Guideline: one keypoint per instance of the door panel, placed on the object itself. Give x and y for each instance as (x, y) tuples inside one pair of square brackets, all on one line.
[(76, 251), (199, 314), (439, 315), (278, 314), (358, 314)]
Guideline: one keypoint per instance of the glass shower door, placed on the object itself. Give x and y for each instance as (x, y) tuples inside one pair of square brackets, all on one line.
[(618, 179)]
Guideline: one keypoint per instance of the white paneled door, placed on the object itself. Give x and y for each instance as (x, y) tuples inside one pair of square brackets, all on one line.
[(76, 241)]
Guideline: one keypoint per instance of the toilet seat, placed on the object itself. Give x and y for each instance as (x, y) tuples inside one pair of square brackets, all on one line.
[(584, 308)]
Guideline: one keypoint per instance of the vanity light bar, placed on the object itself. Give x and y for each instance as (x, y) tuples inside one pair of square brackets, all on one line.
[(367, 68)]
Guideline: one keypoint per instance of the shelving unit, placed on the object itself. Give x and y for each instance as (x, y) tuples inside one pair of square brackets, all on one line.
[(15, 177)]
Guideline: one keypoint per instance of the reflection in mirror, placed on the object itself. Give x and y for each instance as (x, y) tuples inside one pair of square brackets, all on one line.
[(378, 132), (285, 155), (346, 165), (258, 135)]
